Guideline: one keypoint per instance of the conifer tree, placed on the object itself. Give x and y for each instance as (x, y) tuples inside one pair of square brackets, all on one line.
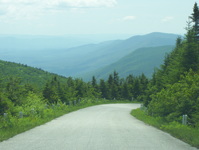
[(94, 83), (103, 89), (51, 91), (15, 90), (191, 51), (195, 19)]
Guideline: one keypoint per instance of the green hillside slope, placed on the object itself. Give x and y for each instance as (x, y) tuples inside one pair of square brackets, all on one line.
[(142, 60), (27, 74)]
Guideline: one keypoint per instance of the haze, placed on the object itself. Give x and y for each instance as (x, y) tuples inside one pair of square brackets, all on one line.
[(69, 17)]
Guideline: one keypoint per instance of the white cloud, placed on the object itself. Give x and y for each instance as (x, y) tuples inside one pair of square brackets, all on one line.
[(88, 3), (127, 18), (27, 9), (167, 19)]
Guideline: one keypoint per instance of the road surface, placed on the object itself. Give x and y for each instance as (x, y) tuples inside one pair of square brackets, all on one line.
[(102, 127)]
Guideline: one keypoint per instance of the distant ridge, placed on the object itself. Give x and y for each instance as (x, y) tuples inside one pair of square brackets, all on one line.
[(142, 60), (79, 60)]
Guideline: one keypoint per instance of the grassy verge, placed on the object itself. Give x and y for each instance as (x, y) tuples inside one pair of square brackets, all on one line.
[(13, 125), (185, 133)]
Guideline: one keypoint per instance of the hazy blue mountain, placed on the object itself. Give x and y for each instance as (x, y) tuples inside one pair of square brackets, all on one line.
[(49, 53), (142, 60), (30, 42)]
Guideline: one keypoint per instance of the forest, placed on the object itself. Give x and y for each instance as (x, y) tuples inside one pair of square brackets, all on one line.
[(173, 90)]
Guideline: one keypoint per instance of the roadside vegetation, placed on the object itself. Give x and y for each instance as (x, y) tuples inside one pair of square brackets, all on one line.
[(173, 91), (185, 133), (39, 113)]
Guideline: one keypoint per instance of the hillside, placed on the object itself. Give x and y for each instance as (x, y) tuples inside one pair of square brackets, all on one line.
[(78, 60), (27, 74), (142, 60)]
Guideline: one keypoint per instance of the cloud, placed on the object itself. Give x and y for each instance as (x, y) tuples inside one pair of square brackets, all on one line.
[(22, 9), (167, 19), (127, 18), (87, 3)]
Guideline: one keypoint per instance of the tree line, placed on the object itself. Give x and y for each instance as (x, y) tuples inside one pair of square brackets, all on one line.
[(173, 90), (14, 92)]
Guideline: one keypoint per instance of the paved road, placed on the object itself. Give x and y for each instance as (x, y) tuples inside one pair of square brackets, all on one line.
[(103, 127)]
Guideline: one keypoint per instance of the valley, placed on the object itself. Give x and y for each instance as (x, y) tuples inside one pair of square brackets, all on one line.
[(79, 61)]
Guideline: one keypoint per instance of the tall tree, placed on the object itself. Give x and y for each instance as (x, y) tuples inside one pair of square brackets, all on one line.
[(195, 18), (103, 88), (15, 90), (190, 56), (51, 91), (94, 83)]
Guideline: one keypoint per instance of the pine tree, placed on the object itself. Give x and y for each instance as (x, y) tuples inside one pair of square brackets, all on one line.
[(116, 88), (5, 104), (94, 83), (110, 83), (195, 19), (51, 91), (190, 56), (103, 89), (126, 92), (15, 90)]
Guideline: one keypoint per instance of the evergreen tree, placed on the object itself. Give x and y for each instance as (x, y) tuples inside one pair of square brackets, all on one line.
[(51, 91), (5, 104), (173, 90), (195, 19), (103, 89), (94, 82), (136, 89), (116, 78), (190, 55), (115, 87), (125, 93), (110, 85), (15, 90)]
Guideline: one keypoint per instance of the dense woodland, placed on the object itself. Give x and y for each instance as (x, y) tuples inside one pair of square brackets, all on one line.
[(17, 87), (172, 91)]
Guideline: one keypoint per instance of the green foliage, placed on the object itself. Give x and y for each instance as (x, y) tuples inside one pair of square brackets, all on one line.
[(115, 88), (177, 99), (185, 133), (28, 75), (51, 91), (173, 91), (142, 115), (5, 104), (12, 125)]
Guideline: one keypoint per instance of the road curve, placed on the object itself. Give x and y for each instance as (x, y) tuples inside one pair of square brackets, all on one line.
[(102, 127)]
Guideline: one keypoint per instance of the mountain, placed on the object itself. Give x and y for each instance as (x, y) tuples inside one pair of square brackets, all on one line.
[(76, 61), (142, 60)]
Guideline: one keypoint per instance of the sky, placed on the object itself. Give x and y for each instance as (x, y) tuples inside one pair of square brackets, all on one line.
[(66, 17)]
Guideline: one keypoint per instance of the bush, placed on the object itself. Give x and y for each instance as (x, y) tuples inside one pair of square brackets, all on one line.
[(178, 99)]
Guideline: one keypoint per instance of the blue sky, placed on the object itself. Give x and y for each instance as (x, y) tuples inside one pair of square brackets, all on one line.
[(64, 17)]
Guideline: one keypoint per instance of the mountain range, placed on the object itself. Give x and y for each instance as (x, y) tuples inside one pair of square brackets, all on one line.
[(142, 60), (78, 61)]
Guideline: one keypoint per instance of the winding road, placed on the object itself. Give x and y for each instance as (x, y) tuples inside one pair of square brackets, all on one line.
[(102, 127)]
